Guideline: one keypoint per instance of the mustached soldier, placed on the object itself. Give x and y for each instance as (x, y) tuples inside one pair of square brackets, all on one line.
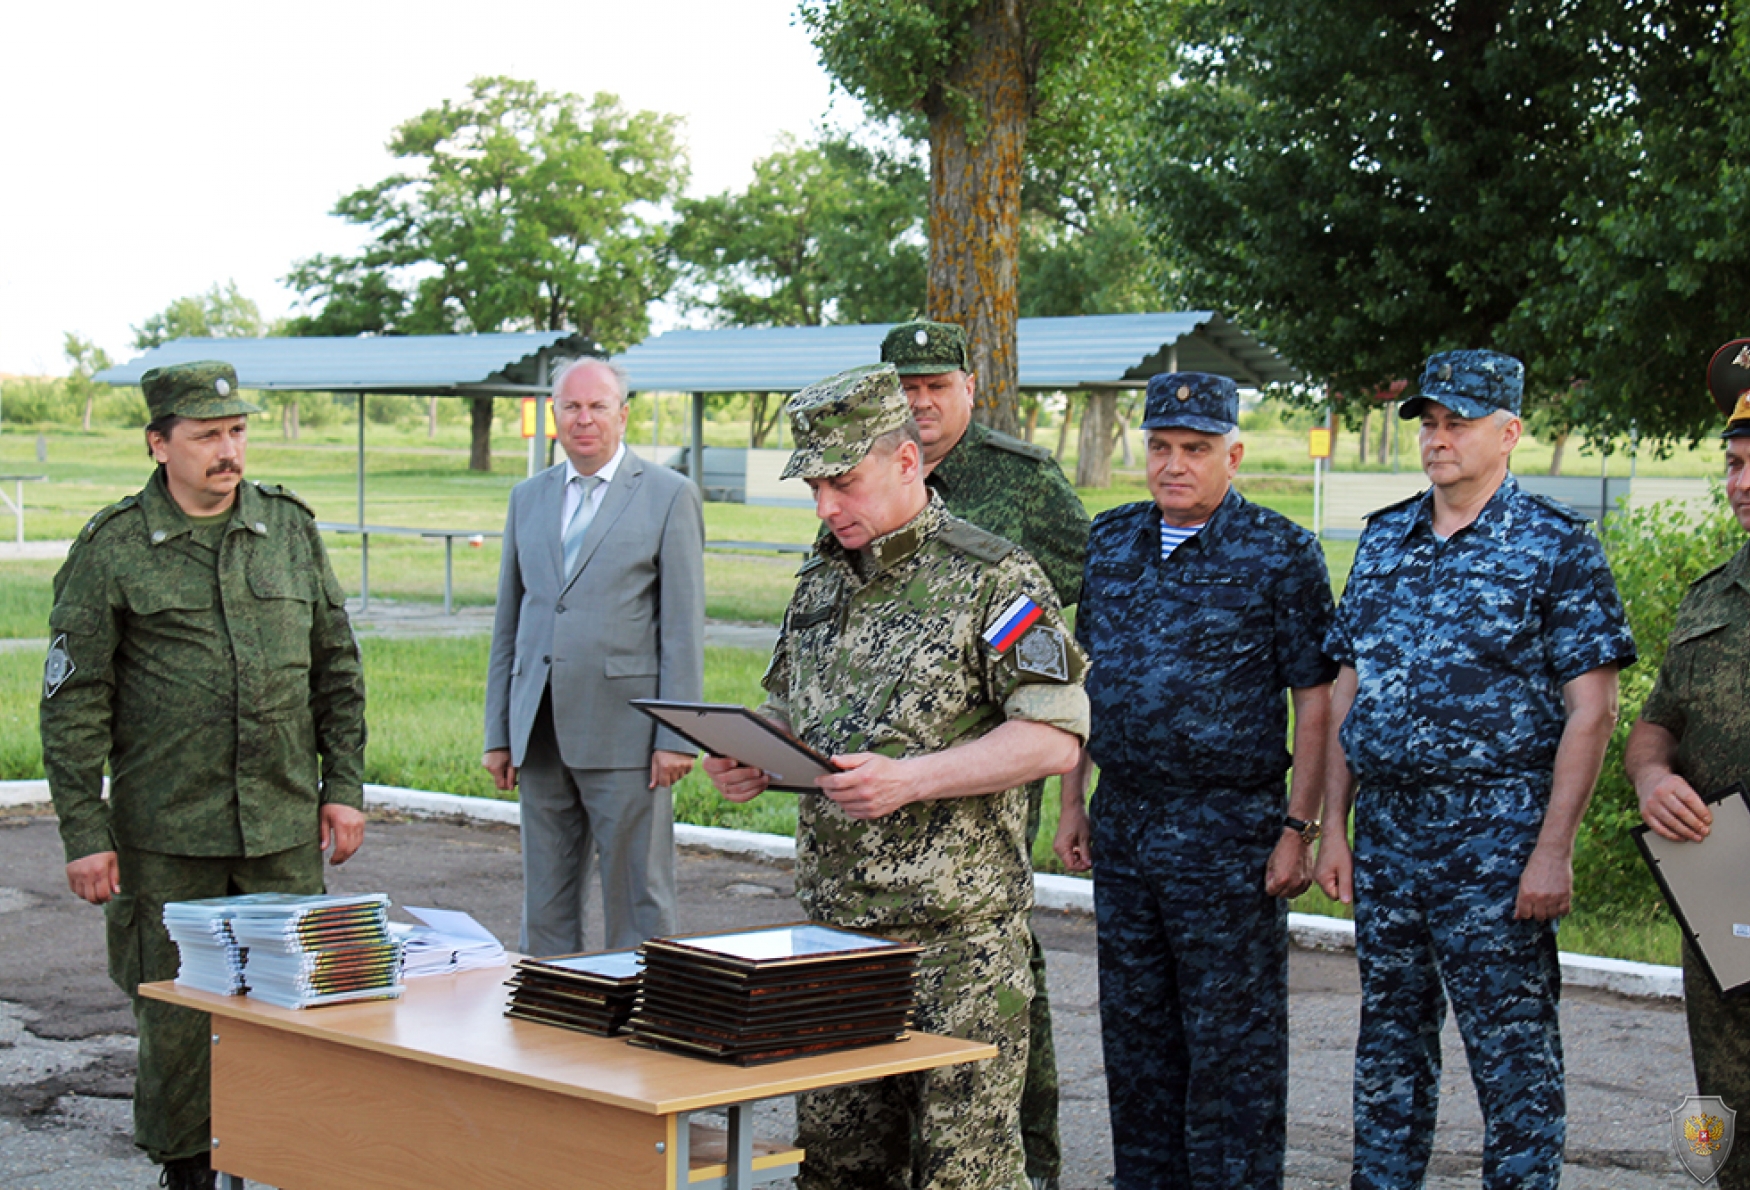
[(200, 646)]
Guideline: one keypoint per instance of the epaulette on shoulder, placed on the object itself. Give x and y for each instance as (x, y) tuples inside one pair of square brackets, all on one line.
[(1702, 578), (1401, 504), (970, 539), (1015, 446), (282, 492), (106, 515), (1122, 512), (1565, 511), (814, 563)]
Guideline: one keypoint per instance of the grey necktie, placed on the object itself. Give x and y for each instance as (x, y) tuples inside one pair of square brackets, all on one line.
[(581, 516)]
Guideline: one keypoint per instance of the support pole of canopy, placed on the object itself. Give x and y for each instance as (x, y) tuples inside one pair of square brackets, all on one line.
[(696, 456), (364, 538), (538, 444)]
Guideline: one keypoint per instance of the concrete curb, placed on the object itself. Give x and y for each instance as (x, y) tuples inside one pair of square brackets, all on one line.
[(1067, 893)]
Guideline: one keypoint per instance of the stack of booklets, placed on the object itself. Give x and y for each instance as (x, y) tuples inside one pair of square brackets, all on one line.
[(780, 992), (211, 960), (310, 950), (446, 942), (592, 993)]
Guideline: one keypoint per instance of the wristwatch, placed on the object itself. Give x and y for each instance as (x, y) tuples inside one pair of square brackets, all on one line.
[(1308, 831)]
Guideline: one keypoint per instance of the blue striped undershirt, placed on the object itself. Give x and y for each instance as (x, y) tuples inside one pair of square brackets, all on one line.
[(1172, 537)]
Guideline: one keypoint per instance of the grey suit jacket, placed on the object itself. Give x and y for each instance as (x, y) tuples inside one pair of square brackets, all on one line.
[(629, 623)]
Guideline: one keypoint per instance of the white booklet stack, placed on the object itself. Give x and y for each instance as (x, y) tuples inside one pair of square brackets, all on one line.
[(447, 941)]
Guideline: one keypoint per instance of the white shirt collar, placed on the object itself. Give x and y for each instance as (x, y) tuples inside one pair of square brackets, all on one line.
[(605, 474)]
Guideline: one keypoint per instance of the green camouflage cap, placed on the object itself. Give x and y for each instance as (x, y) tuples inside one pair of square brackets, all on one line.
[(926, 348), (837, 420), (200, 389)]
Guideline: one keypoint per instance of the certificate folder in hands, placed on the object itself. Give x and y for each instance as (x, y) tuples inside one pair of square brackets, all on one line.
[(1706, 886), (725, 729)]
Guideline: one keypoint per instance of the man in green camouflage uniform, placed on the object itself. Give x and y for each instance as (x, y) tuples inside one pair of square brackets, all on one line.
[(1693, 738), (199, 645), (929, 659), (1015, 490)]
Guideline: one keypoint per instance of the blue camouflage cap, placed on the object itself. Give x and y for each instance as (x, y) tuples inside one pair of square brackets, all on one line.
[(1200, 401), (1470, 383)]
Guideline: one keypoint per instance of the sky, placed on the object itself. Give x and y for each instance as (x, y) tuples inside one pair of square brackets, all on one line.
[(149, 151)]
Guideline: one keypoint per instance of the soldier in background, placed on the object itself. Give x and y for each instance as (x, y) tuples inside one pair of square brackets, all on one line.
[(1693, 739), (200, 646), (1015, 490), (1478, 639), (928, 658), (1203, 615)]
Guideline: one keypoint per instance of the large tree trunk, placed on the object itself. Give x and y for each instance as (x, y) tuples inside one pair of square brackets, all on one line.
[(1032, 424), (1555, 457), (1094, 447), (1361, 438), (289, 420), (480, 446), (975, 200)]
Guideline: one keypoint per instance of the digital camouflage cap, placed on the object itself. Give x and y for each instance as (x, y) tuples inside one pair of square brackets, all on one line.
[(836, 421), (1470, 383), (1728, 380), (199, 389), (1200, 401), (926, 348)]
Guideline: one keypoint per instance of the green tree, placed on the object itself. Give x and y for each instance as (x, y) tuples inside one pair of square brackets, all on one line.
[(986, 75), (519, 209), (1654, 266), (831, 232), (1367, 181), (222, 312), (87, 359)]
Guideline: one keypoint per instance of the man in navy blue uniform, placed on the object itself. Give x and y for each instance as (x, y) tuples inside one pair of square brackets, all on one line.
[(1202, 614), (1479, 639)]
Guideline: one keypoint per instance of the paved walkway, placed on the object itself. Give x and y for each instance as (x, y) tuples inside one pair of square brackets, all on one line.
[(66, 1047)]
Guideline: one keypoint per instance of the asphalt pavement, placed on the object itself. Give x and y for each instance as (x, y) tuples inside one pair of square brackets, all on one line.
[(67, 1054)]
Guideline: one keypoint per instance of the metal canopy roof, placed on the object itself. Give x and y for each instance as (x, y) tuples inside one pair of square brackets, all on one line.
[(1055, 353), (420, 365)]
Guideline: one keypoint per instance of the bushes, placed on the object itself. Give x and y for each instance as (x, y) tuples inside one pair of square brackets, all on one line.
[(1655, 554)]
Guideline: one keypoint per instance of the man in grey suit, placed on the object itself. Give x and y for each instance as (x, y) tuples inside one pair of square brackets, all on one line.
[(601, 599)]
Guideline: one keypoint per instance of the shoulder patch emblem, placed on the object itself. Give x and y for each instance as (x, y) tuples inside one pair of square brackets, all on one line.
[(1041, 653), (58, 668), (1015, 619)]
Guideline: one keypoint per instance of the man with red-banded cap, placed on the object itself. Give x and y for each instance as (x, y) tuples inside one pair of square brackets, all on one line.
[(1693, 738)]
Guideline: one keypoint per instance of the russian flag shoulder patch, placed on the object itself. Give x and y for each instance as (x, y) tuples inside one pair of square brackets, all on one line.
[(1012, 623)]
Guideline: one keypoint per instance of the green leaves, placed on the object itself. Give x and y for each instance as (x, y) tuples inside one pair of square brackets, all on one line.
[(827, 232), (519, 209)]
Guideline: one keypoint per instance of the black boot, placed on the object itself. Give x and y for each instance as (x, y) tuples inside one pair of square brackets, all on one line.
[(188, 1173)]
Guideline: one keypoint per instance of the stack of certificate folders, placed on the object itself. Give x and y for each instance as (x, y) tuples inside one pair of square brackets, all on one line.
[(592, 993), (290, 950), (768, 994)]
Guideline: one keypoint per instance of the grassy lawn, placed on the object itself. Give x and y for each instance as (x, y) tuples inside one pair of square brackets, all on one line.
[(426, 694)]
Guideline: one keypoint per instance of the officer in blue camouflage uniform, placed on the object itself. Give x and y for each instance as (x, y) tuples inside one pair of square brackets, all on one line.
[(1693, 738), (929, 659), (1201, 614), (199, 646), (1015, 490), (1478, 640)]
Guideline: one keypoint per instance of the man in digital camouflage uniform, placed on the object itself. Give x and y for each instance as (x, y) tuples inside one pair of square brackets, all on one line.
[(1015, 490), (929, 659), (1693, 739), (1202, 615), (1478, 638), (199, 645)]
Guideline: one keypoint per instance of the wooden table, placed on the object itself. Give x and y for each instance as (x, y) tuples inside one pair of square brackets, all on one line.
[(441, 1089)]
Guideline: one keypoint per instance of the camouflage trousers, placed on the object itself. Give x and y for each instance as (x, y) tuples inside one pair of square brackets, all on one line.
[(952, 1129), (1719, 1037), (172, 1112), (1193, 986), (1039, 1133), (1436, 878)]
